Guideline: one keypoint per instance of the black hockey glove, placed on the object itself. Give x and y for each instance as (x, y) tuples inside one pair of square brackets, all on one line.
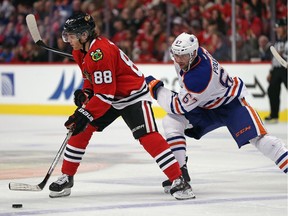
[(82, 96), (78, 121), (194, 132), (153, 85)]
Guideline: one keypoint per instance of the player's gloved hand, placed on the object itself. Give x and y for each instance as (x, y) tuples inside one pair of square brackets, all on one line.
[(78, 121), (194, 132), (82, 96), (153, 85)]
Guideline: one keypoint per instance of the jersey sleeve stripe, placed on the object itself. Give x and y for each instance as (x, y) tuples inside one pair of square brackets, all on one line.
[(240, 87), (105, 98), (217, 102), (144, 90), (235, 86), (149, 123), (176, 106)]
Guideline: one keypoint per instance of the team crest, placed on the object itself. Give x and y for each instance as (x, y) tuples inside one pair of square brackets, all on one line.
[(97, 55)]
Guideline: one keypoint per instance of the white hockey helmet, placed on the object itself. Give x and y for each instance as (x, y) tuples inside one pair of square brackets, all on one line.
[(185, 44)]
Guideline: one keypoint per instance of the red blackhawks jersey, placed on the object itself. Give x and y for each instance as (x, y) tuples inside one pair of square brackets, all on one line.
[(114, 78)]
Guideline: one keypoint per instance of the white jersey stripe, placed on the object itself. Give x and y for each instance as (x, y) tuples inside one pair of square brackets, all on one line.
[(75, 149), (149, 121), (162, 153), (71, 160), (145, 118)]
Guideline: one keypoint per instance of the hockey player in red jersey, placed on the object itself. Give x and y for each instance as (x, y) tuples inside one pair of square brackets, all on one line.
[(208, 99), (113, 86)]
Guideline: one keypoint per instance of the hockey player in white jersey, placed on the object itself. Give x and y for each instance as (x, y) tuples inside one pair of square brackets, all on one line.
[(208, 99)]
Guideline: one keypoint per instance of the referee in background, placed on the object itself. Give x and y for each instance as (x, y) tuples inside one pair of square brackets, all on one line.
[(278, 73)]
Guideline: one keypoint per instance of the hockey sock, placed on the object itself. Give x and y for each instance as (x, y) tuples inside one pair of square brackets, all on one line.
[(72, 159), (159, 149), (178, 146), (273, 148), (75, 150)]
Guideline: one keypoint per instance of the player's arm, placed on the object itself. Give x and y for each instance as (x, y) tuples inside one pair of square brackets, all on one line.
[(170, 101), (94, 105), (103, 80), (82, 96)]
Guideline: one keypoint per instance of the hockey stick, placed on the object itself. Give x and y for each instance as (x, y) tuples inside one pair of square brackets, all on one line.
[(32, 26), (278, 57), (40, 186)]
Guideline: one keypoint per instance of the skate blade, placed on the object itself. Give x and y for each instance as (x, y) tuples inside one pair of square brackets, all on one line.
[(184, 195), (65, 192)]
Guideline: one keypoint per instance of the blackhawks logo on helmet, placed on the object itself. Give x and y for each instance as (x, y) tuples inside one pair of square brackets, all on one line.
[(97, 55), (87, 18)]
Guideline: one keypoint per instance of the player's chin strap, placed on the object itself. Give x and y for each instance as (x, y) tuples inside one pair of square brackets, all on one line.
[(89, 40), (191, 60)]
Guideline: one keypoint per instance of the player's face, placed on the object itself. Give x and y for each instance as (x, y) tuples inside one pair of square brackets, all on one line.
[(73, 40), (281, 31), (182, 60)]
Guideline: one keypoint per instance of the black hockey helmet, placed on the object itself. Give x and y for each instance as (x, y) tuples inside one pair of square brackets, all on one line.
[(281, 22), (78, 24)]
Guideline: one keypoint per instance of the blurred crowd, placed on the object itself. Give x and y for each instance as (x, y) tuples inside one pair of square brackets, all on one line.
[(143, 29)]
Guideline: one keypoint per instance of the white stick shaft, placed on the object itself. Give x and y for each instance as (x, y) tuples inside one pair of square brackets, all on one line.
[(278, 57)]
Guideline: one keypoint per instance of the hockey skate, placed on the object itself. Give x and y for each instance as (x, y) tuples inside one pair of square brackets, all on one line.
[(181, 190), (61, 187), (167, 184)]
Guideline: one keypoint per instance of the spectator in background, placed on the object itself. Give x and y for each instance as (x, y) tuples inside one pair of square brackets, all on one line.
[(143, 53), (250, 25), (167, 53), (120, 31), (200, 17), (6, 54), (264, 48), (137, 20), (205, 38), (243, 49), (195, 27), (278, 74), (220, 49), (6, 10)]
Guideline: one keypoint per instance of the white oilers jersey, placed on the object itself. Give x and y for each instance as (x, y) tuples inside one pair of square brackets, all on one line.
[(206, 85)]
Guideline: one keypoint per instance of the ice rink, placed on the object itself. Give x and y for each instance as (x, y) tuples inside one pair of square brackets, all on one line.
[(117, 177)]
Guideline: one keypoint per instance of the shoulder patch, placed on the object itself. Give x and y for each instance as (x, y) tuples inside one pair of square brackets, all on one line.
[(96, 55), (198, 79)]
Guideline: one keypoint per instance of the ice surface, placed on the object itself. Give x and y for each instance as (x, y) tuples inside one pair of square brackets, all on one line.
[(117, 176)]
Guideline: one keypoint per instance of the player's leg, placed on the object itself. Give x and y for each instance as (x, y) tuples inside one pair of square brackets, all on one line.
[(140, 119), (74, 153), (246, 126), (273, 148), (174, 126), (274, 96)]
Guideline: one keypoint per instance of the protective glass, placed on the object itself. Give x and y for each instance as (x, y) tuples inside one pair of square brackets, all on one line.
[(68, 35), (184, 57)]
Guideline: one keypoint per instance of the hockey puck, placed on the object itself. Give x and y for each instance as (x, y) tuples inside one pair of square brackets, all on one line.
[(17, 205)]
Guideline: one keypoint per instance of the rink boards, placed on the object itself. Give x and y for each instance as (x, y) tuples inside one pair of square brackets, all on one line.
[(47, 89)]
